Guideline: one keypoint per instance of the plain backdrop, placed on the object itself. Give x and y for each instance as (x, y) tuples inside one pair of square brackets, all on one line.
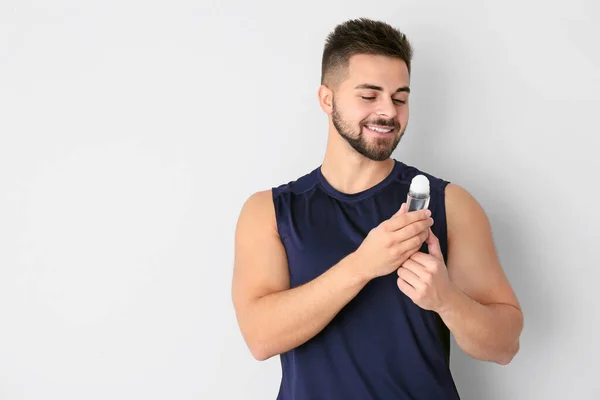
[(132, 133)]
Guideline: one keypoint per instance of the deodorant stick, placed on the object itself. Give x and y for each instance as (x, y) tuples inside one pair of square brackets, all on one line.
[(418, 194)]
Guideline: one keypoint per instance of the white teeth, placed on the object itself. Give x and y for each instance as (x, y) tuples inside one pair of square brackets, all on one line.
[(379, 129)]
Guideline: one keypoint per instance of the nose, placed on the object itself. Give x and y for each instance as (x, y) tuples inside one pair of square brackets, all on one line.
[(386, 108)]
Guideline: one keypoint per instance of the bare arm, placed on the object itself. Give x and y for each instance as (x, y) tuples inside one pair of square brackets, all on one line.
[(272, 317), (482, 311)]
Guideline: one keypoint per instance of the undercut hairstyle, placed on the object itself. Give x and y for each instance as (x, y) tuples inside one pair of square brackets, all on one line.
[(361, 36)]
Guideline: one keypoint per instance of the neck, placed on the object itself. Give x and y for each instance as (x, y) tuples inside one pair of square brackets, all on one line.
[(348, 171)]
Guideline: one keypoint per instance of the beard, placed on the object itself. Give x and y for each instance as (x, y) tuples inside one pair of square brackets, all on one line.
[(380, 149)]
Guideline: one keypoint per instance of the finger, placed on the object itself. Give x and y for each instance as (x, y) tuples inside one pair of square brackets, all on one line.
[(389, 223), (409, 277), (407, 289), (399, 221), (408, 247), (433, 245), (413, 229), (414, 267), (422, 258)]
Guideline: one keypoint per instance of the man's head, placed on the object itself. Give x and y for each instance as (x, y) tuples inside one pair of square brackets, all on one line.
[(365, 79)]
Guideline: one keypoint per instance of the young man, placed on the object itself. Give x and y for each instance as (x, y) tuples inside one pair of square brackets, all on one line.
[(358, 296)]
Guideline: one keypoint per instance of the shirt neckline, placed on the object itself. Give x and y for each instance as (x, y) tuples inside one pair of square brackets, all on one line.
[(362, 194)]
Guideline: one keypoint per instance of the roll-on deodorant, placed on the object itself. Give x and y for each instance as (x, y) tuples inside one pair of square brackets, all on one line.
[(418, 194)]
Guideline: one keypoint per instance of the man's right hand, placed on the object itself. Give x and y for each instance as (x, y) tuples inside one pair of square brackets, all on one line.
[(392, 242)]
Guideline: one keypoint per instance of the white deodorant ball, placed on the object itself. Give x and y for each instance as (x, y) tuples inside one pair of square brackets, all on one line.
[(419, 184)]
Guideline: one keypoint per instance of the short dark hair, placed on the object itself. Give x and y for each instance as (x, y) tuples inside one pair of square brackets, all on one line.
[(361, 36)]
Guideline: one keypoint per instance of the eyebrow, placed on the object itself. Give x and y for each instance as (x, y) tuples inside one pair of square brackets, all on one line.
[(375, 87)]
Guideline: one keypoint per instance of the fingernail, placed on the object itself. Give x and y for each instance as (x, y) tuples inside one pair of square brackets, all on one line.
[(428, 213)]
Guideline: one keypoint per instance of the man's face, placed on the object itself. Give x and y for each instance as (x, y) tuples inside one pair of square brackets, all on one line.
[(370, 107)]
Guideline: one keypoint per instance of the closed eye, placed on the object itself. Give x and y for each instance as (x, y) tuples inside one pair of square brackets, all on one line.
[(373, 98)]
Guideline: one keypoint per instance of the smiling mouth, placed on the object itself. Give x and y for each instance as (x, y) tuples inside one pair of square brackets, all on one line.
[(382, 130)]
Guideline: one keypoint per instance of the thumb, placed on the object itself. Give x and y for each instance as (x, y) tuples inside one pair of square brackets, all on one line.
[(402, 209), (433, 245)]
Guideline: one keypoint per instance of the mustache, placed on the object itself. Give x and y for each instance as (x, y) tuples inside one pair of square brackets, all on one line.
[(383, 122)]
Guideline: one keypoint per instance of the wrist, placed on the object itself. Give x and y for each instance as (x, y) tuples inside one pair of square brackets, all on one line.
[(449, 301), (357, 267)]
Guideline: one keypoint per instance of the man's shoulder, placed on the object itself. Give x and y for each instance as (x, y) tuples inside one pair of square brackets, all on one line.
[(297, 185), (462, 205), (261, 204), (258, 205)]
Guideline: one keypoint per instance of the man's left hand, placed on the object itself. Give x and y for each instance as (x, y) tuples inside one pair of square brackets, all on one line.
[(424, 277)]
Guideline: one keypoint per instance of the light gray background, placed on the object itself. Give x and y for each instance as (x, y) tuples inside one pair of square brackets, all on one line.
[(132, 132)]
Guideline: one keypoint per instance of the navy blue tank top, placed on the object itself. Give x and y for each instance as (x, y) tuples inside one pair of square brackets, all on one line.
[(380, 345)]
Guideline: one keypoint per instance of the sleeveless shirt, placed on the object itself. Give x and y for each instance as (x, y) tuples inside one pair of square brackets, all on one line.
[(381, 345)]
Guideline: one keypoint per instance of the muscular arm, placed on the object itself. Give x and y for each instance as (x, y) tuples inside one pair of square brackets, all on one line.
[(272, 317), (482, 311)]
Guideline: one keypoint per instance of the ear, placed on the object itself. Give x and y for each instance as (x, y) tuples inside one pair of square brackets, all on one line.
[(326, 99)]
